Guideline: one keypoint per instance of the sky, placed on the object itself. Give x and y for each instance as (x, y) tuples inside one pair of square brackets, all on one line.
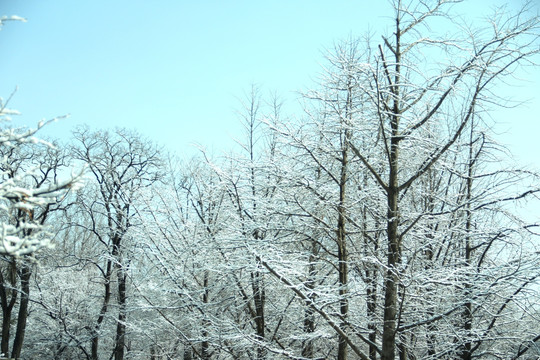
[(175, 70)]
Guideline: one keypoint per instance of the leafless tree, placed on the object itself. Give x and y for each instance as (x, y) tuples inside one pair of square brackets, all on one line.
[(122, 164)]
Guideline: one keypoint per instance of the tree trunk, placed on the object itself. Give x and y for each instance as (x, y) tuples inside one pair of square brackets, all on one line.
[(188, 353), (8, 298), (342, 256), (25, 274), (205, 346), (371, 311), (309, 314), (259, 299), (467, 317), (104, 307), (390, 295), (392, 217), (120, 340), (371, 246)]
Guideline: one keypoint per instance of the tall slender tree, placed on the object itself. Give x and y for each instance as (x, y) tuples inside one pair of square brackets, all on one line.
[(122, 165)]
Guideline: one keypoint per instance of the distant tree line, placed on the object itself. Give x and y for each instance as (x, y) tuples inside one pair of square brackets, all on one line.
[(382, 222)]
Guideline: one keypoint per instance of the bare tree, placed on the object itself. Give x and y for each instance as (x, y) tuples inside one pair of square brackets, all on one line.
[(30, 190), (122, 165), (414, 120), (410, 101), (34, 168)]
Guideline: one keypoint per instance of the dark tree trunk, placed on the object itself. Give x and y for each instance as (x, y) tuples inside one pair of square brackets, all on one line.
[(342, 257), (371, 311), (25, 274), (8, 298), (259, 299), (309, 314), (392, 217), (205, 346), (103, 311), (467, 316), (122, 315), (390, 294), (188, 353)]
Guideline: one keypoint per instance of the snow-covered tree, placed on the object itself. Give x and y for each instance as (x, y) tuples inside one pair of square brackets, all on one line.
[(420, 93), (34, 182), (378, 224), (26, 186), (122, 164), (31, 190)]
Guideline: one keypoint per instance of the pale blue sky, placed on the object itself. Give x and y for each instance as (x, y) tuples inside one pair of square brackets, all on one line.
[(174, 69)]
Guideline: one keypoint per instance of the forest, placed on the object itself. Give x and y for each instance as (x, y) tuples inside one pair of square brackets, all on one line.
[(383, 221)]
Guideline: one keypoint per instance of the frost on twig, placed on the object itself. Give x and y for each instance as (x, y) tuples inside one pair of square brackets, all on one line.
[(22, 232), (4, 19)]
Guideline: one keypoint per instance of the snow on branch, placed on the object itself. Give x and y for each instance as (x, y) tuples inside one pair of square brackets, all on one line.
[(22, 231), (4, 18)]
